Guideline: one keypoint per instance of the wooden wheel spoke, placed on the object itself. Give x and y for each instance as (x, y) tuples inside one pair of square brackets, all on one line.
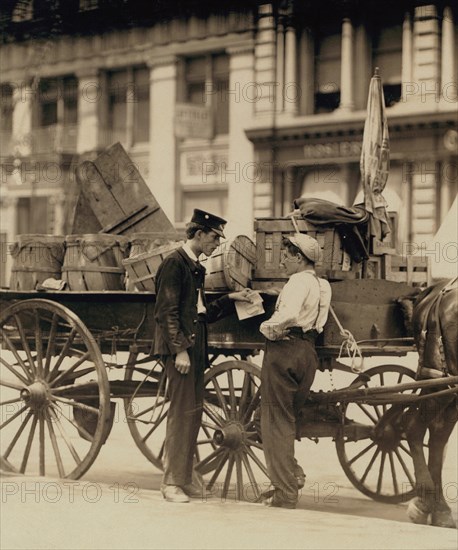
[(63, 353), (252, 405), (11, 385), (149, 409), (155, 426), (367, 413), (394, 474), (207, 433), (362, 453), (380, 472), (25, 344), (245, 392), (12, 348), (28, 446), (55, 446), (369, 467), (222, 461), (213, 415), (77, 404), (61, 377), (51, 345), (77, 426), (64, 435), (249, 471), (10, 401), (17, 435), (11, 418), (221, 398), (38, 344), (405, 449), (404, 467), (239, 476), (227, 480), (14, 372), (257, 461), (201, 466), (41, 448), (232, 396)]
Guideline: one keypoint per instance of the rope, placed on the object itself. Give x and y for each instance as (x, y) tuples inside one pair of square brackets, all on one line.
[(349, 346)]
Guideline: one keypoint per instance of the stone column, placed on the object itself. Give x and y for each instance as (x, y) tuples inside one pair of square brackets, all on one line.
[(90, 97), (307, 72), (265, 61), (426, 55), (346, 75), (162, 162), (280, 83), (448, 65), (23, 99), (242, 171), (406, 62), (290, 91)]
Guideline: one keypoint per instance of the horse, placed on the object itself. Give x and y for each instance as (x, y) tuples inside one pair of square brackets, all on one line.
[(434, 324)]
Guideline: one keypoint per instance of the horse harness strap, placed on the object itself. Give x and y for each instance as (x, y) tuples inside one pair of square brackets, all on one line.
[(434, 307)]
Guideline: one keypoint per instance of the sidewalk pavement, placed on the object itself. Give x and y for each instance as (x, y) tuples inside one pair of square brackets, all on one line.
[(47, 513)]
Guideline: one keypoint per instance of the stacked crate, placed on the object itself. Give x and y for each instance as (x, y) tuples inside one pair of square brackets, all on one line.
[(335, 264)]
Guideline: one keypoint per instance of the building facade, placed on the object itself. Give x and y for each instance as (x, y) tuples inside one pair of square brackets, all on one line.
[(234, 107)]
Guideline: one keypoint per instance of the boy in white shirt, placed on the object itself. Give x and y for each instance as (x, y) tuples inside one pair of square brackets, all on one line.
[(290, 362)]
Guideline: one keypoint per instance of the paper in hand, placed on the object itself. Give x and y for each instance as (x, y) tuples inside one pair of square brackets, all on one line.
[(245, 310)]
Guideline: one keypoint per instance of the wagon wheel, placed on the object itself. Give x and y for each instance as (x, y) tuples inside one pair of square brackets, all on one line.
[(381, 466), (146, 410), (228, 444), (51, 375)]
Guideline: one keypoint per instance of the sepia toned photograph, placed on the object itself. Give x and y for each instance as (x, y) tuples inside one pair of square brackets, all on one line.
[(228, 274)]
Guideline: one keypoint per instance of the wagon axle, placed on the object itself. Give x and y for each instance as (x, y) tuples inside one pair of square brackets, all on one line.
[(231, 436), (36, 395)]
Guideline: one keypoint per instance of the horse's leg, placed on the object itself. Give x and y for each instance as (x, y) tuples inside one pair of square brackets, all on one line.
[(440, 431), (415, 424)]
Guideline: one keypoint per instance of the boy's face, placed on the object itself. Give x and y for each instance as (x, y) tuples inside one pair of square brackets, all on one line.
[(209, 242), (290, 262)]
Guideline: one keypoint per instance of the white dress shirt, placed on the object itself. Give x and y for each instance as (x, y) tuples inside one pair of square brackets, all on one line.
[(200, 303), (303, 302)]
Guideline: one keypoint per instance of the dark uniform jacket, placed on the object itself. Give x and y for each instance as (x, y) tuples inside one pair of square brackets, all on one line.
[(177, 282)]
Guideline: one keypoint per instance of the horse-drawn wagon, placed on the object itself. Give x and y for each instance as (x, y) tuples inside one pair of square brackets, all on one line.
[(68, 356)]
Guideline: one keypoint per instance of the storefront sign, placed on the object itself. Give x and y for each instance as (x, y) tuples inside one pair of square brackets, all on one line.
[(203, 167), (193, 121), (333, 150)]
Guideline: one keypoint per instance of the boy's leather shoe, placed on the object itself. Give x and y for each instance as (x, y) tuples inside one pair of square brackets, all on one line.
[(173, 493)]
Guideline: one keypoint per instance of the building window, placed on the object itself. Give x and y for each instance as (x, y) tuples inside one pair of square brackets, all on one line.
[(207, 83), (32, 215), (327, 70), (387, 56), (6, 109), (129, 105), (58, 101)]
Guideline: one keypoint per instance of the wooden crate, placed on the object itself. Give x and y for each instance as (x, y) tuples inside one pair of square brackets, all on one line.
[(413, 270), (336, 264)]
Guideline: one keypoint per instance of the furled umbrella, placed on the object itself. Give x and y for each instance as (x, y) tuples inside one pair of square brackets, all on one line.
[(375, 159)]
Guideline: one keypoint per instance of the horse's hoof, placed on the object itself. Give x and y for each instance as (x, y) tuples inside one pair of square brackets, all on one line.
[(416, 512), (443, 519)]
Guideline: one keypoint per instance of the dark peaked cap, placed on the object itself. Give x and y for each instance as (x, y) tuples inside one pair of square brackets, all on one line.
[(215, 223)]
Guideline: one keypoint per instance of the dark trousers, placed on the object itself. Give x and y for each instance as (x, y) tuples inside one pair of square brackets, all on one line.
[(185, 412), (288, 371)]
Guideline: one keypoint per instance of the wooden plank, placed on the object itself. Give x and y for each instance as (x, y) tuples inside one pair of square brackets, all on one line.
[(84, 219), (115, 189)]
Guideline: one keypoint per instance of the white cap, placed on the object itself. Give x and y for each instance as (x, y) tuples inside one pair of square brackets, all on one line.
[(307, 245)]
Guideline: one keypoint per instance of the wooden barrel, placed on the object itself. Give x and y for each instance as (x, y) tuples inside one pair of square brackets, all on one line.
[(94, 261), (36, 258), (141, 269), (231, 265), (146, 242)]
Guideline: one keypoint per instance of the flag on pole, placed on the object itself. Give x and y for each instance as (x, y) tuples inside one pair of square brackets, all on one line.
[(375, 159)]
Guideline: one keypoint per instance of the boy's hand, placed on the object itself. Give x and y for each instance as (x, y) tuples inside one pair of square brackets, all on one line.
[(244, 295), (182, 362)]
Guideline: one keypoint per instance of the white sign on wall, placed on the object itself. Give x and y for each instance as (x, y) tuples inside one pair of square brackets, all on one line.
[(203, 167), (193, 121)]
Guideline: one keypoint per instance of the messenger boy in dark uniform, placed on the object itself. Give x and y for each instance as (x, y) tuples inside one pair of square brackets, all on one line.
[(181, 316)]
